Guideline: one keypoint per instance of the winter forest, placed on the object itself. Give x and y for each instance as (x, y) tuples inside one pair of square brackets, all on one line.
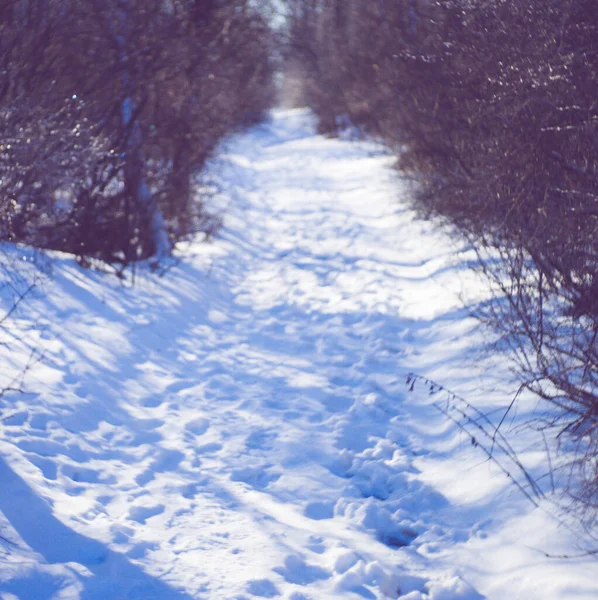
[(298, 299)]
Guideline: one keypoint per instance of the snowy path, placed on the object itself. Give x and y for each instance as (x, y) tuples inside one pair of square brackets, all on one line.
[(237, 429)]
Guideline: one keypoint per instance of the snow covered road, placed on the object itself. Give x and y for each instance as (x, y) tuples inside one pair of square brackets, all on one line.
[(240, 428)]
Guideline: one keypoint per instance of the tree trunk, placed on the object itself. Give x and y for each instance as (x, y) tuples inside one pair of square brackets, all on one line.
[(135, 181)]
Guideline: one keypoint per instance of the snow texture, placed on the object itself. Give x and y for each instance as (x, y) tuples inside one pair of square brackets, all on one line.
[(240, 427)]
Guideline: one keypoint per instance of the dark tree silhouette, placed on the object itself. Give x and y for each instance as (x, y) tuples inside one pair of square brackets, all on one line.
[(491, 106), (108, 110)]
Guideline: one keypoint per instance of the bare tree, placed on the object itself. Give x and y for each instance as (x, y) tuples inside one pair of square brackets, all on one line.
[(491, 106), (112, 108)]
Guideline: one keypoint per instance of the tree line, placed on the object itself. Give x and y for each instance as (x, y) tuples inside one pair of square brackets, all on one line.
[(108, 110), (492, 107)]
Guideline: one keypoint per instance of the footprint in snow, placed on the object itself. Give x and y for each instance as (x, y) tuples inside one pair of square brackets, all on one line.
[(153, 401), (179, 386), (47, 467), (316, 544), (40, 422), (257, 477), (260, 439), (82, 391), (297, 571), (141, 514), (121, 534), (144, 478), (166, 461), (262, 588), (319, 511), (48, 448), (83, 475), (398, 539), (208, 448), (16, 419), (198, 426), (139, 550)]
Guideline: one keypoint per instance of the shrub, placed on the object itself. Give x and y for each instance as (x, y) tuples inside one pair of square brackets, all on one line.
[(108, 111), (492, 107)]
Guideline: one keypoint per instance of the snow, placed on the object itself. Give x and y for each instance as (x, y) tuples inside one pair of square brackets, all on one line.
[(240, 427)]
